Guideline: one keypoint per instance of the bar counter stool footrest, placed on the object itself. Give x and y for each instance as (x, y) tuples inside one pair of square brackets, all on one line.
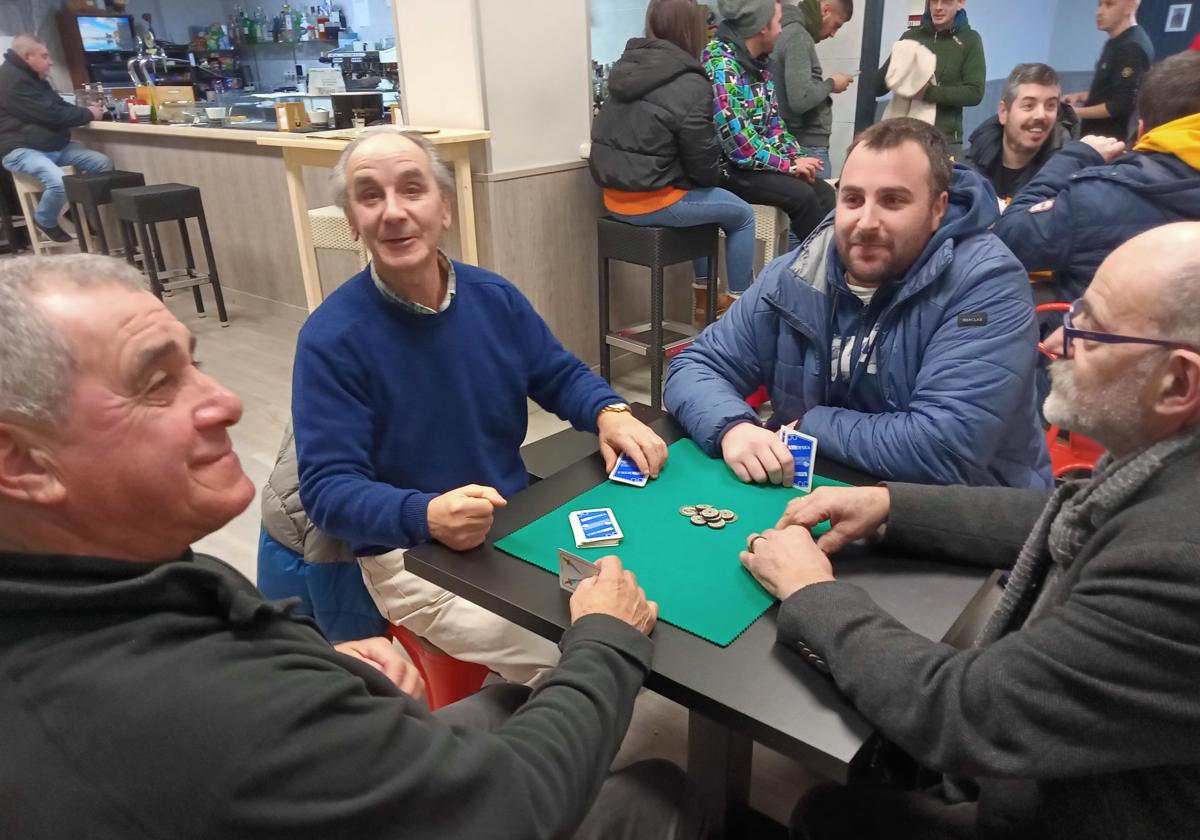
[(29, 191), (655, 248), (89, 192)]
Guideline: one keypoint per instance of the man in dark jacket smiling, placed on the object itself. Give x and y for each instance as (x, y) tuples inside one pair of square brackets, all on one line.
[(149, 692), (35, 130), (1092, 196), (1032, 124), (1074, 713)]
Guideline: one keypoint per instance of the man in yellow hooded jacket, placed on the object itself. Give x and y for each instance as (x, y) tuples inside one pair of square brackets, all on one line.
[(1092, 196)]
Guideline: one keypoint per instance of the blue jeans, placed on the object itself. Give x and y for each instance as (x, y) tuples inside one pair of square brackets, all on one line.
[(821, 153), (45, 167), (706, 206)]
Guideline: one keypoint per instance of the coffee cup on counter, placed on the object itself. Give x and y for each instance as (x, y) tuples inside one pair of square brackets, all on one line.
[(319, 118)]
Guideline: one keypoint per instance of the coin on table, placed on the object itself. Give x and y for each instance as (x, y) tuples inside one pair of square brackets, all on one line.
[(688, 510), (728, 515), (716, 524), (699, 520), (700, 508), (710, 514)]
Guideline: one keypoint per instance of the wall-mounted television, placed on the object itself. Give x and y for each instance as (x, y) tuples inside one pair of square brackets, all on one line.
[(106, 34)]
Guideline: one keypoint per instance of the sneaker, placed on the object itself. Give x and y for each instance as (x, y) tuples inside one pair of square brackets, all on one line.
[(56, 233)]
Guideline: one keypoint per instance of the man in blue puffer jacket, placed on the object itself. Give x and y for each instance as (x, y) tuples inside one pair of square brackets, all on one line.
[(901, 334)]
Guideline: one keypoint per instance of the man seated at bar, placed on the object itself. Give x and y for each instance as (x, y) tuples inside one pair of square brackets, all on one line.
[(1075, 711), (901, 335), (410, 401), (146, 691), (35, 130)]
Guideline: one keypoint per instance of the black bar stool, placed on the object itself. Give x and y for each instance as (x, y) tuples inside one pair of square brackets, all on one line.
[(139, 209), (656, 248), (90, 192)]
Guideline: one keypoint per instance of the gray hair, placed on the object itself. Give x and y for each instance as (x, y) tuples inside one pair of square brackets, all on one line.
[(37, 363), (24, 44), (1028, 74), (441, 172)]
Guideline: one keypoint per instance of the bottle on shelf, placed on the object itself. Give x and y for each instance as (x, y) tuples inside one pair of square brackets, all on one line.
[(260, 26), (322, 23), (289, 31)]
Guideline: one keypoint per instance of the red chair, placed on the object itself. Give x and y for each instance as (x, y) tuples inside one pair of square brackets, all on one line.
[(446, 679), (1070, 453)]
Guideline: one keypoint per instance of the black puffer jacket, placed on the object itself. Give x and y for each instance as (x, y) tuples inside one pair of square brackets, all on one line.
[(656, 129), (986, 153), (32, 115)]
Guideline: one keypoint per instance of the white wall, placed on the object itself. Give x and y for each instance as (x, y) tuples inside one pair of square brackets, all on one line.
[(439, 62), (535, 81), (612, 24)]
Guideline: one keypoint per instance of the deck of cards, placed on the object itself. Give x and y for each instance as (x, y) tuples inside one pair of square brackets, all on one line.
[(573, 570), (595, 528), (627, 472), (804, 450)]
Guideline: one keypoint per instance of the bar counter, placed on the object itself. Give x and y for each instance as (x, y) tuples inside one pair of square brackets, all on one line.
[(256, 205)]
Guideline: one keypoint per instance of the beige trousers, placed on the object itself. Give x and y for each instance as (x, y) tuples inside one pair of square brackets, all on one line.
[(464, 630)]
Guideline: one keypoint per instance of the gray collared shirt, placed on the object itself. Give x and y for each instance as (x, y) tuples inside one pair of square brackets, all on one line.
[(390, 294)]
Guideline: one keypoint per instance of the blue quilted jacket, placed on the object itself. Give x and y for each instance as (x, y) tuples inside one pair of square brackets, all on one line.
[(955, 358), (1078, 210)]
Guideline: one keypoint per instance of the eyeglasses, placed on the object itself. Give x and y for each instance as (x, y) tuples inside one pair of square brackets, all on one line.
[(1070, 333)]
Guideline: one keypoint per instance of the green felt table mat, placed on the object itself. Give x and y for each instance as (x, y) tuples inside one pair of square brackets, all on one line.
[(692, 571)]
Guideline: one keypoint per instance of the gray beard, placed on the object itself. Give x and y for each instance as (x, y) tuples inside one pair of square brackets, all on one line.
[(1112, 417)]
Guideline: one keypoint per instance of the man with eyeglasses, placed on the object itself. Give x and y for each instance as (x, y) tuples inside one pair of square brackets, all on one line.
[(1074, 712)]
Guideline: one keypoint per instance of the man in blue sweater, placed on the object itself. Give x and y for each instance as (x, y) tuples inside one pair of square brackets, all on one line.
[(409, 401), (901, 335)]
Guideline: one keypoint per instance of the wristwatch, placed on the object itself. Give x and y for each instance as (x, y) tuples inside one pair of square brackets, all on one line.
[(617, 408)]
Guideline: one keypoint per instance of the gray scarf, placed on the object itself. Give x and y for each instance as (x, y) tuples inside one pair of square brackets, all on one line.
[(1073, 514)]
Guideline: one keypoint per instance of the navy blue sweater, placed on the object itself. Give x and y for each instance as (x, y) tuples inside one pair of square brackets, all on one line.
[(392, 408)]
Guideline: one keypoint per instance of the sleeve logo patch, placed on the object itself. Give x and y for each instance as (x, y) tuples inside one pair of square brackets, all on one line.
[(1127, 73), (973, 319), (1048, 204)]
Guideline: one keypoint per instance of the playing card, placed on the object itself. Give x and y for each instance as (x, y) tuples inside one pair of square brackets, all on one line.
[(804, 450), (595, 528), (573, 569), (626, 472)]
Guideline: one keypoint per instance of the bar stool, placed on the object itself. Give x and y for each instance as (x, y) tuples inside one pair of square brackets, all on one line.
[(90, 192), (139, 209), (656, 248), (8, 225), (29, 191), (331, 231)]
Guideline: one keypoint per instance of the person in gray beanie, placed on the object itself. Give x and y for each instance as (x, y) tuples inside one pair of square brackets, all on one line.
[(746, 17), (766, 163)]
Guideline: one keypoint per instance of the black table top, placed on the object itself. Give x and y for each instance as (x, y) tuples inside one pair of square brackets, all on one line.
[(753, 685)]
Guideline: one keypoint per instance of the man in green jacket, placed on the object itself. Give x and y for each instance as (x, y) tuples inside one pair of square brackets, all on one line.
[(803, 92), (961, 70)]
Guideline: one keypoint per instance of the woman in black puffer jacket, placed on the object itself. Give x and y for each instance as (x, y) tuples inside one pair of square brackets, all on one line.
[(654, 147)]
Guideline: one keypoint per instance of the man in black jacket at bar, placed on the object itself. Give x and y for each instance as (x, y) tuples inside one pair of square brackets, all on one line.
[(1075, 712), (35, 130), (146, 691)]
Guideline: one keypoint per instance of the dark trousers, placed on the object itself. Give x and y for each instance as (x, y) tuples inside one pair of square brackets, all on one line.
[(649, 799), (805, 204), (878, 812)]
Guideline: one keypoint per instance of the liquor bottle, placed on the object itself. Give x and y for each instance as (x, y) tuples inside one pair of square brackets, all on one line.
[(288, 32), (260, 25), (322, 22)]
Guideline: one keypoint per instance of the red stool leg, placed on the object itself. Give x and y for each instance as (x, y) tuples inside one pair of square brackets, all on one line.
[(447, 679)]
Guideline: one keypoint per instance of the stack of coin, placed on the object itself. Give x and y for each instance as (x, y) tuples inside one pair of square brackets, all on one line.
[(705, 514)]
